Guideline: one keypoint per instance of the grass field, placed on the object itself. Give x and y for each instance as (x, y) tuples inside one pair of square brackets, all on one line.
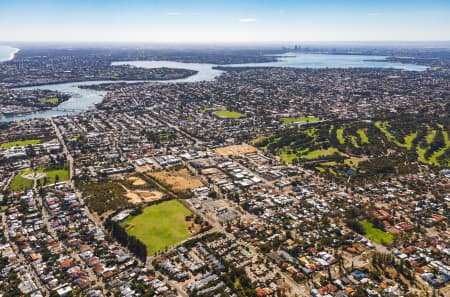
[(275, 140), (363, 136), (62, 174), (321, 153), (228, 114), (383, 127), (359, 145), (354, 141), (20, 183), (408, 140), (52, 100), (375, 234), (286, 156), (434, 157), (308, 119), (430, 136), (160, 226), (421, 154), (340, 135), (353, 162), (258, 140), (8, 145)]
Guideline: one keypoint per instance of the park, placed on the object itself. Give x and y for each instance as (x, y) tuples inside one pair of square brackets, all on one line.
[(160, 226)]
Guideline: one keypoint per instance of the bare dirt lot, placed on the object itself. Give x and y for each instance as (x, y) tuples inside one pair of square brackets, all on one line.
[(179, 180), (150, 196), (133, 198), (239, 149), (136, 181), (141, 196)]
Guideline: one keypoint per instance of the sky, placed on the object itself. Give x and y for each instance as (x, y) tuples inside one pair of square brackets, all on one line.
[(224, 21)]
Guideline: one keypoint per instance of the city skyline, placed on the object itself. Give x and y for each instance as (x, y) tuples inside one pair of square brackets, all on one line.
[(230, 21)]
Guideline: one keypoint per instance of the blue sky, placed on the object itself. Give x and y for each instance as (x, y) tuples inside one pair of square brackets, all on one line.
[(224, 21)]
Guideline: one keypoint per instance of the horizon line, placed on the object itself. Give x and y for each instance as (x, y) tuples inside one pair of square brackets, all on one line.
[(223, 41), (424, 44)]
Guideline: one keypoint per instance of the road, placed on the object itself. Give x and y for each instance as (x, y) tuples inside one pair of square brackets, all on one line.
[(95, 220), (65, 150), (176, 128), (30, 269), (295, 289)]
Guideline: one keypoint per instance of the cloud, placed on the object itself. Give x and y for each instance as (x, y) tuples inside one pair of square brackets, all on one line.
[(173, 13), (247, 20)]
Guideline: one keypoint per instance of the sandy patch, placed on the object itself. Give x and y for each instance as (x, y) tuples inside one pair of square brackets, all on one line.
[(133, 197), (150, 196), (239, 149), (180, 180), (136, 181), (142, 196)]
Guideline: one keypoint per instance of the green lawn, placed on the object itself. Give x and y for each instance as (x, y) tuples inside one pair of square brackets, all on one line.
[(408, 140), (258, 140), (384, 126), (308, 119), (228, 114), (62, 174), (421, 154), (289, 156), (434, 157), (354, 141), (430, 136), (321, 153), (363, 136), (340, 135), (353, 162), (160, 226), (8, 145), (375, 234), (312, 132), (321, 169), (52, 100), (286, 156), (21, 184)]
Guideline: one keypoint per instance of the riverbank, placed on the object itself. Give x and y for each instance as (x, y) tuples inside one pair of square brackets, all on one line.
[(85, 98)]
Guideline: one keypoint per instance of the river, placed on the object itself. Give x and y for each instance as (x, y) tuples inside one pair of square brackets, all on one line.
[(85, 99)]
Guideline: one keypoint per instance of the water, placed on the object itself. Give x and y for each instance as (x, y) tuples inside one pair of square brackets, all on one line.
[(81, 99), (7, 53), (298, 60), (85, 99), (205, 71)]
